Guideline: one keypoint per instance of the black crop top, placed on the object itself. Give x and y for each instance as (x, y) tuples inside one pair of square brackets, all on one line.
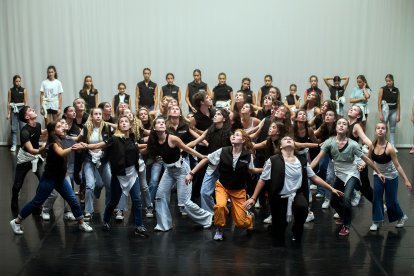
[(169, 155), (381, 158)]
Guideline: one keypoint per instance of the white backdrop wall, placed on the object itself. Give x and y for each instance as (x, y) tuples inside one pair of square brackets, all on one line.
[(291, 40)]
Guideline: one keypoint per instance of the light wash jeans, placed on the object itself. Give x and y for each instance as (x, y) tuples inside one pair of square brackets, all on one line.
[(93, 187), (174, 176), (155, 169), (207, 191), (394, 210), (391, 120), (46, 186), (15, 124), (326, 172)]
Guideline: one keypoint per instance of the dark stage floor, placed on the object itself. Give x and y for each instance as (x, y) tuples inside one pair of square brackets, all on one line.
[(58, 248)]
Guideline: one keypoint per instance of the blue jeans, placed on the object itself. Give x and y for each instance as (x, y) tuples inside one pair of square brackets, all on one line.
[(326, 173), (46, 186), (393, 206), (391, 119), (343, 205), (116, 192), (155, 169), (15, 124), (94, 187), (207, 190)]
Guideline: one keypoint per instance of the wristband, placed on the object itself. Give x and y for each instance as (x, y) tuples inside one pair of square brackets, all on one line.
[(191, 173)]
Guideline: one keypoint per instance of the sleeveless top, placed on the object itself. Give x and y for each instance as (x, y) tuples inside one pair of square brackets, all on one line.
[(384, 164), (169, 155)]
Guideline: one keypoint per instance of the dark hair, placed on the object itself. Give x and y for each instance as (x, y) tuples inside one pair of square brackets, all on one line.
[(243, 80), (327, 130), (54, 69), (15, 77), (389, 76), (336, 79), (145, 69), (197, 71), (102, 105), (198, 98), (362, 77), (294, 85), (169, 74), (84, 85), (331, 105), (273, 147), (252, 112), (225, 130), (295, 124), (222, 74), (22, 113), (317, 100), (236, 121), (313, 76), (278, 94), (361, 115), (121, 83), (269, 76), (66, 109), (51, 136)]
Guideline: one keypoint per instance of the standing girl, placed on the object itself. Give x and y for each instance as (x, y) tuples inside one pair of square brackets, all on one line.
[(192, 88), (16, 99), (247, 91), (89, 93), (264, 90), (222, 94), (170, 89), (121, 97), (314, 88), (337, 92), (360, 96), (51, 96)]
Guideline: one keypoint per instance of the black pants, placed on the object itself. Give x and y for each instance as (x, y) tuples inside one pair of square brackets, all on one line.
[(278, 209), (366, 189), (21, 171)]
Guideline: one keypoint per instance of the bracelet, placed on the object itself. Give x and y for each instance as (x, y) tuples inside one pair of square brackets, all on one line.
[(191, 173), (253, 199)]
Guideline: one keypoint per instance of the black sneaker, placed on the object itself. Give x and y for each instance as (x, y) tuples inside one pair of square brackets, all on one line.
[(141, 231), (106, 227)]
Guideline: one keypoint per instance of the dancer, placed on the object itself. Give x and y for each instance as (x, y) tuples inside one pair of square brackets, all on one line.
[(16, 99), (222, 94), (389, 105), (360, 96), (146, 93), (247, 91), (54, 178), (168, 147), (170, 89), (314, 88), (343, 152), (197, 85), (234, 164), (337, 91), (293, 100), (121, 97), (386, 160), (89, 94), (288, 175), (51, 96), (264, 90)]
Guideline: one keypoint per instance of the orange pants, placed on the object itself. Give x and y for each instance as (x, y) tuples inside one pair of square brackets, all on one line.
[(237, 197)]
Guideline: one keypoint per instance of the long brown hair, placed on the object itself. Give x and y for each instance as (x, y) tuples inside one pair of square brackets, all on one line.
[(247, 145)]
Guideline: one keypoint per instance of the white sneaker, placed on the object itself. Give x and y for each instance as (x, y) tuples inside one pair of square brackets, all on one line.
[(313, 187), (401, 222), (318, 195), (268, 220), (326, 204), (355, 200), (87, 217), (385, 208), (69, 216), (311, 217), (13, 148), (336, 216), (16, 227), (45, 216), (374, 227), (85, 227), (149, 212), (119, 215), (257, 205)]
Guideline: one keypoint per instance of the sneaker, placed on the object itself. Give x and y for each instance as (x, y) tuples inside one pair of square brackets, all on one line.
[(374, 227), (344, 231), (326, 204), (45, 216), (355, 200), (401, 222), (313, 187), (218, 236), (87, 217), (268, 220), (69, 216), (385, 208), (311, 217), (85, 227), (13, 148), (339, 221), (336, 216), (149, 212), (412, 150), (106, 227), (184, 214), (119, 215), (319, 195), (141, 231), (250, 213), (16, 227), (257, 205)]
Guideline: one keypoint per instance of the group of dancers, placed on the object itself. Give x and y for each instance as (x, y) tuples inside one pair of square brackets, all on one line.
[(235, 151)]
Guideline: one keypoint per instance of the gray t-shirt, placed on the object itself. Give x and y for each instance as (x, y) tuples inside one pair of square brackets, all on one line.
[(346, 154)]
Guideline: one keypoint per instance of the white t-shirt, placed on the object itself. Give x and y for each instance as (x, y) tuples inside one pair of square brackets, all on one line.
[(51, 91)]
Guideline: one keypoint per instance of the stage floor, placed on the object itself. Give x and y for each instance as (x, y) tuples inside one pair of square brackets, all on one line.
[(59, 248)]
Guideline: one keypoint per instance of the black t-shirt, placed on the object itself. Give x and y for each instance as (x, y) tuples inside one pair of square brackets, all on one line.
[(31, 134), (85, 117), (336, 92), (89, 98), (56, 165), (74, 130)]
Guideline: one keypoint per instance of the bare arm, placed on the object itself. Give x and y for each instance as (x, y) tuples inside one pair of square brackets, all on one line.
[(155, 97), (391, 152), (380, 94), (259, 97), (260, 145), (361, 134), (8, 104), (179, 98), (60, 104), (136, 99), (99, 145), (319, 181), (200, 164), (326, 80), (252, 200), (315, 161), (29, 148), (178, 143), (198, 140), (346, 79)]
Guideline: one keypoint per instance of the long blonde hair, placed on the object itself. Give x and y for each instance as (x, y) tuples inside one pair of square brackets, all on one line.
[(118, 132), (89, 125)]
